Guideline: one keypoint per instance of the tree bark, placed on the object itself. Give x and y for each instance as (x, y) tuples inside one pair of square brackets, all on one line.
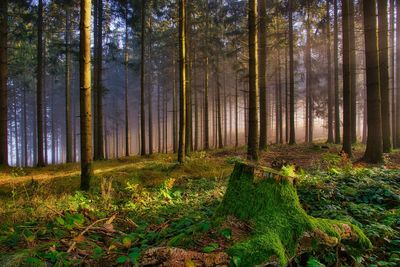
[(329, 74), (252, 141), (3, 83), (336, 72), (225, 103), (99, 144), (384, 74), (292, 137), (262, 58), (150, 91), (17, 158), (159, 115), (142, 85), (196, 110), (68, 119), (182, 81), (25, 130), (392, 71), (126, 62), (346, 79), (236, 109), (39, 87), (189, 130), (398, 75), (309, 93), (286, 97), (373, 153), (206, 115), (52, 123), (218, 104), (174, 108), (353, 74), (85, 96), (280, 118)]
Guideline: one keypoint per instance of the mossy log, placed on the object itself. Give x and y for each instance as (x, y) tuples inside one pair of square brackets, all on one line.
[(281, 229)]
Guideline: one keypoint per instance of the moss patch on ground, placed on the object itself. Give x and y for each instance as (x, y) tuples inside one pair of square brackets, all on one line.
[(272, 207)]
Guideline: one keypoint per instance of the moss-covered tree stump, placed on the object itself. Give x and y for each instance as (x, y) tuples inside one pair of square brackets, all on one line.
[(281, 229)]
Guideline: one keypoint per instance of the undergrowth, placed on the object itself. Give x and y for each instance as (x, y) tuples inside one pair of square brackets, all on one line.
[(140, 203)]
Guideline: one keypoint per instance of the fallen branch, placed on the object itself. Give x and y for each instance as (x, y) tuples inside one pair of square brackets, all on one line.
[(109, 221)]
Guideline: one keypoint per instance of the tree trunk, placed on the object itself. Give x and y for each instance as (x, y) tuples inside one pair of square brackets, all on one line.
[(25, 130), (246, 112), (373, 153), (397, 76), (236, 109), (165, 121), (16, 129), (142, 85), (85, 96), (126, 62), (353, 74), (252, 142), (365, 126), (230, 119), (286, 97), (74, 117), (292, 137), (196, 120), (95, 73), (52, 123), (384, 74), (392, 71), (262, 58), (329, 74), (188, 132), (99, 144), (174, 108), (34, 135), (218, 104), (39, 87), (225, 102), (276, 104), (44, 107), (309, 98), (116, 139), (3, 83), (206, 135), (150, 88), (336, 72), (159, 114), (182, 81), (280, 124), (68, 119), (346, 79)]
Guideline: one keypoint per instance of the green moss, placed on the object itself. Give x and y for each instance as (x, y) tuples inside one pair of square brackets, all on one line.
[(278, 221)]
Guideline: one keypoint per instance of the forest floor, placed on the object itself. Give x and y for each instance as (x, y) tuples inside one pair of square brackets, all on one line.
[(138, 203)]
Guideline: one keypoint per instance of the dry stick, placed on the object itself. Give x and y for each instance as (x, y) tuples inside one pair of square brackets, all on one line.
[(109, 221), (53, 210)]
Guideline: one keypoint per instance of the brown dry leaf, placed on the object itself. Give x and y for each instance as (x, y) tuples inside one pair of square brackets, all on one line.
[(112, 218), (79, 238), (109, 228)]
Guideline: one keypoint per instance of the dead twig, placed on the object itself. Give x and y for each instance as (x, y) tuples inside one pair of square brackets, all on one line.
[(108, 221)]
